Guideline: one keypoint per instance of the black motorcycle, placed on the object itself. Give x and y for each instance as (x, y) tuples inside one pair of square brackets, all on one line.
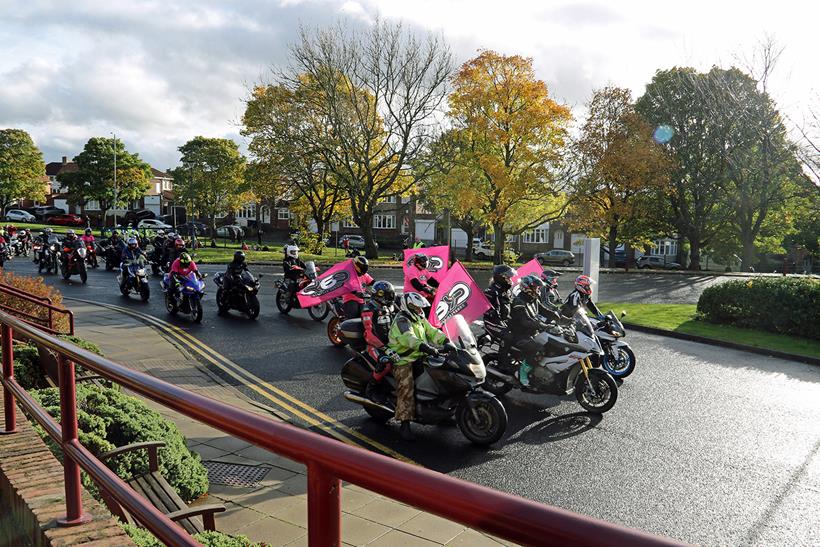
[(112, 254), (5, 254), (49, 256), (241, 296), (132, 277), (445, 387)]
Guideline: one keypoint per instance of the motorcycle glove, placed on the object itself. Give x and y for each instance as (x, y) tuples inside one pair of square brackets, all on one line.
[(428, 349)]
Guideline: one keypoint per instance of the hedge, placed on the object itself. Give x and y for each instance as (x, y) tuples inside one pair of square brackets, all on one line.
[(784, 305), (108, 418), (143, 538)]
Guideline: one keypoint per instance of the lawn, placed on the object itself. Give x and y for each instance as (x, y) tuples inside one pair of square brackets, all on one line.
[(683, 318)]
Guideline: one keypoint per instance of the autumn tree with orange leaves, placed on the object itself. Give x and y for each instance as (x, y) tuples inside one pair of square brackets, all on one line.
[(511, 136)]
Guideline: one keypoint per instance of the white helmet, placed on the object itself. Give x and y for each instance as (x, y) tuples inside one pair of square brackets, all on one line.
[(412, 303), (292, 251)]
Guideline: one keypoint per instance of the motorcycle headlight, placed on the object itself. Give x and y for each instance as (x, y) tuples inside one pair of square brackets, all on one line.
[(81, 252), (141, 272), (479, 370)]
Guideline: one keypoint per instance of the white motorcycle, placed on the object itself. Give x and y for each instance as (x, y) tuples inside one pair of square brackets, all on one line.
[(617, 359)]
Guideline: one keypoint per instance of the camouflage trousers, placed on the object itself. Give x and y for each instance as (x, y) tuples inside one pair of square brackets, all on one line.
[(405, 399)]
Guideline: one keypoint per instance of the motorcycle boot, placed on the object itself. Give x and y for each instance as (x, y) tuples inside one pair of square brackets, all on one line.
[(405, 431), (524, 373)]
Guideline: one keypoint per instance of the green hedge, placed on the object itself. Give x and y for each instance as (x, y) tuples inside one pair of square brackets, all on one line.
[(108, 418), (27, 369), (143, 538), (784, 305)]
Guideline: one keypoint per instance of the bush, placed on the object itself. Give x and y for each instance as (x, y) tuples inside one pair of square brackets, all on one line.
[(37, 287), (310, 242), (85, 344), (143, 538), (783, 305), (108, 418), (27, 369)]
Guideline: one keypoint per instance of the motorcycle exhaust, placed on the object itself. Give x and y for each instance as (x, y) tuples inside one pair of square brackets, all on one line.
[(353, 398), (501, 375)]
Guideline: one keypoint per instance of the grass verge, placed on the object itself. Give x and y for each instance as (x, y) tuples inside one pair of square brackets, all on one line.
[(683, 318)]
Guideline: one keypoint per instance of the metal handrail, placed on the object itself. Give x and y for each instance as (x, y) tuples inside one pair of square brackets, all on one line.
[(43, 301), (328, 463)]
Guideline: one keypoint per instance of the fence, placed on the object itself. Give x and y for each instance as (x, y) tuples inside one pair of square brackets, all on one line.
[(47, 321), (328, 463)]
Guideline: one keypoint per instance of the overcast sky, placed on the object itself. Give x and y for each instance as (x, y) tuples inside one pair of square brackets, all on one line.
[(159, 72)]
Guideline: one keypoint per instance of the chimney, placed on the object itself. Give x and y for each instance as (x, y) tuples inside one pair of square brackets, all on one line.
[(65, 160)]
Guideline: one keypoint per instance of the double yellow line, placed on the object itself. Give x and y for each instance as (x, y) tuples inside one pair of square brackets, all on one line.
[(287, 402)]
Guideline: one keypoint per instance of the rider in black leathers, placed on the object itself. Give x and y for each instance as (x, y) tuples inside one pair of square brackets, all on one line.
[(581, 296), (499, 294), (234, 271), (292, 265)]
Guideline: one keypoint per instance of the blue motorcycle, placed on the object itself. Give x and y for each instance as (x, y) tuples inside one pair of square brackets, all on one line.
[(185, 296)]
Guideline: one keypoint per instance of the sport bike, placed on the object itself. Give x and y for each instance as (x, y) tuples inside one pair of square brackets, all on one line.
[(286, 290), (72, 261), (618, 358), (133, 278), (184, 296), (241, 296)]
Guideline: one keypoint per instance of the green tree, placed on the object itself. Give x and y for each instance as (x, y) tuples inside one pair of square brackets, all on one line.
[(94, 178), (21, 168), (211, 177)]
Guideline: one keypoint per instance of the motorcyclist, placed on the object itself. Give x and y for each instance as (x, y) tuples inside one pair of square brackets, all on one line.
[(581, 296), (70, 242), (159, 240), (377, 318), (411, 337), (526, 321), (88, 238), (293, 266), (352, 302), (42, 238), (168, 248), (234, 271), (423, 282), (499, 293), (132, 253), (179, 248), (550, 296), (180, 269)]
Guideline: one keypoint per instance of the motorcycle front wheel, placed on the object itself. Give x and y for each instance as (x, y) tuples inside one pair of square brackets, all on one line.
[(253, 306), (494, 385), (319, 311), (83, 274), (221, 306), (484, 421), (619, 361), (145, 292), (196, 311), (334, 333), (604, 395), (283, 301)]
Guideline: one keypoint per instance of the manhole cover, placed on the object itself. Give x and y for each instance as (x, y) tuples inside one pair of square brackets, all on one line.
[(234, 474)]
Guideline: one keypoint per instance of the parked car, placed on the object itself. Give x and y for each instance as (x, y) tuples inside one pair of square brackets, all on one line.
[(45, 211), (18, 215), (356, 242), (154, 224), (230, 231), (66, 220), (657, 262), (482, 250), (138, 215), (556, 257), (190, 227)]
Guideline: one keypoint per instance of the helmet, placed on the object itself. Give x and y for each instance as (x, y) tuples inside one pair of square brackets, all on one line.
[(47, 231), (132, 243), (70, 235), (179, 244), (130, 225), (184, 259), (384, 293), (531, 285), (413, 304), (550, 278), (160, 233), (292, 251), (88, 231), (361, 265), (171, 235), (583, 284), (115, 233), (503, 274), (420, 260), (239, 257)]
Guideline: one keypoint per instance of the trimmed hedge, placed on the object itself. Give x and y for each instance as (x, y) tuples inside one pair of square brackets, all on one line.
[(143, 538), (784, 305), (108, 418), (27, 369)]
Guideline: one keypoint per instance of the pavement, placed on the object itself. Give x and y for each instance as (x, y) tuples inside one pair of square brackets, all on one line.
[(271, 508)]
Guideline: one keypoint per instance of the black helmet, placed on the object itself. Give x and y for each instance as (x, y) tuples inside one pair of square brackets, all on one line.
[(502, 275), (384, 293), (88, 231), (361, 265), (239, 257), (420, 260), (115, 233)]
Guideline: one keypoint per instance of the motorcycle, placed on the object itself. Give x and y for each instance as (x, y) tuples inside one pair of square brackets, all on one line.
[(154, 254), (5, 254), (618, 358), (446, 386), (48, 256), (334, 331), (132, 277), (563, 367), (286, 298), (241, 297), (112, 255), (18, 247), (186, 296), (72, 261), (91, 255)]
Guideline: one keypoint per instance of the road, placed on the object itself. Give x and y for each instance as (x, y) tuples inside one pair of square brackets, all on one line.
[(706, 445)]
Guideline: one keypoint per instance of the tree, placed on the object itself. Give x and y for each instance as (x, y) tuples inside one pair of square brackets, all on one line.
[(211, 177), (621, 169), (263, 186), (378, 91), (21, 168), (94, 178), (511, 133)]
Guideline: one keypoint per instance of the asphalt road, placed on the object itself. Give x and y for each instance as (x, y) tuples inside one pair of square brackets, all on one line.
[(706, 445)]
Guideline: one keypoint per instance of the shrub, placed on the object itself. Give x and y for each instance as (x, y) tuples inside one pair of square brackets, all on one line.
[(27, 369), (37, 287), (108, 418), (784, 305), (143, 538)]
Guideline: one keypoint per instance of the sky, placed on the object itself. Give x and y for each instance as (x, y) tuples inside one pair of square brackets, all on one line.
[(159, 72)]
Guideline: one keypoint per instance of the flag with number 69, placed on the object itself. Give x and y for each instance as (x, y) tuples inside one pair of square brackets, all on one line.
[(458, 294)]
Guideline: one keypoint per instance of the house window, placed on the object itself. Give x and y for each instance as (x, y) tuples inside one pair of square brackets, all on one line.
[(158, 188), (92, 205), (388, 199), (283, 214), (538, 235), (247, 211), (348, 223), (384, 222)]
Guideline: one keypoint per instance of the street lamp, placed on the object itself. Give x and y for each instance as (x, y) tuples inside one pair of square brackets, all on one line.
[(115, 180)]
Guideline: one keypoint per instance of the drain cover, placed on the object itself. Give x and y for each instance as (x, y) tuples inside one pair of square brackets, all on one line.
[(234, 474)]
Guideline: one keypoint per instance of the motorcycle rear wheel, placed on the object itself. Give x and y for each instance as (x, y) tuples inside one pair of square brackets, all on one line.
[(492, 384), (333, 332), (283, 301), (319, 311), (605, 387), (170, 305), (491, 421)]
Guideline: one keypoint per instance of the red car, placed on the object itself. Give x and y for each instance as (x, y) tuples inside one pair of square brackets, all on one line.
[(66, 220)]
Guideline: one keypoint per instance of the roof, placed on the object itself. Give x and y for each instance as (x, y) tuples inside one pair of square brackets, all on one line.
[(160, 174), (57, 167)]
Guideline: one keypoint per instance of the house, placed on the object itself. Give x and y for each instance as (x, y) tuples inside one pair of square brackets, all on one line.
[(392, 222)]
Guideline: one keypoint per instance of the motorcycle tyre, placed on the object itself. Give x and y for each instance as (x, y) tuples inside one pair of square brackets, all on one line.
[(196, 311), (83, 274), (319, 311), (494, 385), (595, 375), (145, 292), (283, 308), (333, 332), (494, 411), (221, 309), (170, 305), (124, 290), (624, 372), (253, 307)]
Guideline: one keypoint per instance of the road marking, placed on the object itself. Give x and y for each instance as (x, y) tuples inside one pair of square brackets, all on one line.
[(309, 414)]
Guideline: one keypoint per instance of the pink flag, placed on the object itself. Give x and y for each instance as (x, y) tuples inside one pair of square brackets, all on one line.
[(531, 267), (438, 259), (338, 280), (458, 294)]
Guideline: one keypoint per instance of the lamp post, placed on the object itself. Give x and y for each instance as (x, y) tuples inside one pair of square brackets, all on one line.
[(115, 180)]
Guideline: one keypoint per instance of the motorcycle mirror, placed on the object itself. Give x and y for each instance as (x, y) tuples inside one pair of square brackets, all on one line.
[(623, 313)]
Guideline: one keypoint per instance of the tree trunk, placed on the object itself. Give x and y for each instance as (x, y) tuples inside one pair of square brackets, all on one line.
[(259, 223), (366, 224), (498, 234), (613, 237), (680, 258), (694, 254), (749, 253), (213, 227), (469, 252)]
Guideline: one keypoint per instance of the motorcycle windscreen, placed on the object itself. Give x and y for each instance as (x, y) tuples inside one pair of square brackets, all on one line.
[(310, 269), (459, 333)]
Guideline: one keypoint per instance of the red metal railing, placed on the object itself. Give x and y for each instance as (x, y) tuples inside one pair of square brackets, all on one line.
[(47, 323), (328, 463)]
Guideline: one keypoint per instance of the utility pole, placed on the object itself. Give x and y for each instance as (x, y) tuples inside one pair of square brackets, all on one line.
[(115, 181)]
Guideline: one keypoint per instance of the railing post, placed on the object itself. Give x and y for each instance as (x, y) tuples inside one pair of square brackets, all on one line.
[(324, 507), (10, 410), (68, 427)]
